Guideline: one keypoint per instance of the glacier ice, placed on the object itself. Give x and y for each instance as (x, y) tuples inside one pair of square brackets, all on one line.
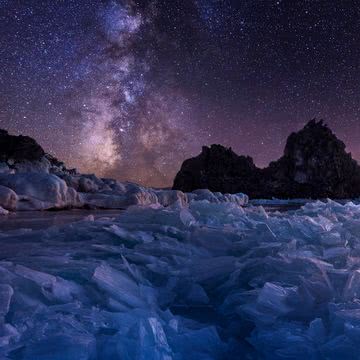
[(194, 279)]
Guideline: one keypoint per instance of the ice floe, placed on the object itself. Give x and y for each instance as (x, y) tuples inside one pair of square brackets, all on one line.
[(200, 280)]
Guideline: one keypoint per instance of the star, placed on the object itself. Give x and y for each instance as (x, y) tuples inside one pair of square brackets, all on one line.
[(130, 89)]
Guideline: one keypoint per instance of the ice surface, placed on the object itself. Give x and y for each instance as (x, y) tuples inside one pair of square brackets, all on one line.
[(197, 279)]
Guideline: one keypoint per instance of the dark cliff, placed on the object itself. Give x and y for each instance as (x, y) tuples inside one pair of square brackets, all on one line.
[(314, 165)]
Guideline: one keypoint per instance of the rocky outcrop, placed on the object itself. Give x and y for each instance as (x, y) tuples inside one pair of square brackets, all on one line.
[(19, 148), (314, 165), (31, 179), (218, 169), (23, 154)]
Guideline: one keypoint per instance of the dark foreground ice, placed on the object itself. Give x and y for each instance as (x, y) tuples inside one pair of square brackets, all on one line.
[(208, 281)]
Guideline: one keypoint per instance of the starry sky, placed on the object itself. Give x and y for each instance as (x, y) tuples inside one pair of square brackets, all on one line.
[(129, 89)]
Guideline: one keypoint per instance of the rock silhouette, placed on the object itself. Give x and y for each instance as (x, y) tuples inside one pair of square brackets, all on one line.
[(314, 165), (31, 179), (25, 154), (19, 148)]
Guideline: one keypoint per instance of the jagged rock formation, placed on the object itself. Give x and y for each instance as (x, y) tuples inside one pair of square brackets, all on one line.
[(220, 169), (314, 165)]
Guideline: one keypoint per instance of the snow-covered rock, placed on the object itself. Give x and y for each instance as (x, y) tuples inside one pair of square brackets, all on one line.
[(104, 201), (40, 191), (39, 182), (169, 197), (115, 186), (217, 197), (39, 166), (87, 184)]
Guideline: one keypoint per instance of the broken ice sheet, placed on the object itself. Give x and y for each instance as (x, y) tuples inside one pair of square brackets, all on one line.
[(6, 293), (208, 280)]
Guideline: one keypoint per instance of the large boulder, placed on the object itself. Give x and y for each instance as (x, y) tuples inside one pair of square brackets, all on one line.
[(314, 165)]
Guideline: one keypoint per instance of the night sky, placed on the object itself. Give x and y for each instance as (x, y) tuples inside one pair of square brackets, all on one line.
[(129, 89)]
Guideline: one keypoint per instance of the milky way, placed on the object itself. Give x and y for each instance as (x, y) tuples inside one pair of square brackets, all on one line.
[(129, 89)]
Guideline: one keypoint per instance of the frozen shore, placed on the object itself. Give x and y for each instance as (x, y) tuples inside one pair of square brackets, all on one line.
[(27, 191), (45, 191)]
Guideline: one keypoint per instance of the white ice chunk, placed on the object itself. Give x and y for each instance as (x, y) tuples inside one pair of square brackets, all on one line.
[(119, 286), (6, 293)]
